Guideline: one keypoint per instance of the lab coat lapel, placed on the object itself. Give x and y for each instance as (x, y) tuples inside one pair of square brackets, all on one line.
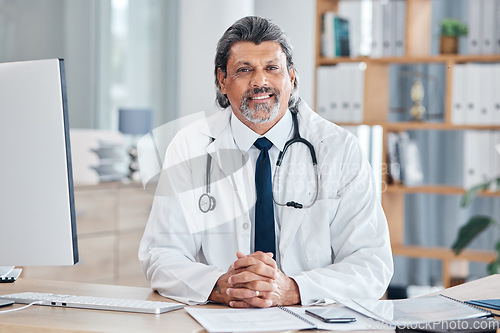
[(233, 165), (291, 220)]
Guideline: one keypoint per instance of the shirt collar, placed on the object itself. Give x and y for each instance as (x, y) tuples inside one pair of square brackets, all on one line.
[(278, 134)]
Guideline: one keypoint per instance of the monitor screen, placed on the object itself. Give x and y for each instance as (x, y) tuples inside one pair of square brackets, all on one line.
[(37, 215)]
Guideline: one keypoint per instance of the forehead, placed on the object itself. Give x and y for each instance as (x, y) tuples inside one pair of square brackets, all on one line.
[(248, 52)]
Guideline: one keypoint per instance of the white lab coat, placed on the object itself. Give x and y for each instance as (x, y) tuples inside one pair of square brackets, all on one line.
[(339, 248)]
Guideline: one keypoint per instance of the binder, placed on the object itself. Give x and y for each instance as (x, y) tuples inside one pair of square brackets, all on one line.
[(458, 91), (341, 36), (474, 27), (486, 91), (358, 78), (400, 27), (351, 10), (377, 30), (472, 159), (492, 305), (336, 94), (495, 73), (345, 91), (494, 157), (327, 35), (473, 93), (388, 22), (488, 26), (323, 74), (496, 19)]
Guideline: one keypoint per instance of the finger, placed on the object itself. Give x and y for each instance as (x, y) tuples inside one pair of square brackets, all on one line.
[(254, 260), (246, 277), (266, 258), (259, 302), (261, 286), (240, 255), (257, 272), (242, 293), (240, 304)]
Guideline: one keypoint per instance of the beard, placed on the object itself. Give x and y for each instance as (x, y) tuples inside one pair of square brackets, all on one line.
[(262, 112)]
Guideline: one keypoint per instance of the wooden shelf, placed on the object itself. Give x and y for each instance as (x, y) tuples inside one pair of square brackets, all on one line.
[(403, 126), (441, 58), (436, 189), (442, 253), (435, 126)]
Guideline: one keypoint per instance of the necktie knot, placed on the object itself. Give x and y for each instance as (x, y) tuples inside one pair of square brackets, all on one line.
[(263, 143)]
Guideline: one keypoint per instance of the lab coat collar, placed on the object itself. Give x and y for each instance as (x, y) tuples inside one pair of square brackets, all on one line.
[(278, 134), (223, 149)]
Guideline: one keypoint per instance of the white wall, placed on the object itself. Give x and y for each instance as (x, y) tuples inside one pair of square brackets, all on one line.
[(201, 24), (79, 53), (42, 29)]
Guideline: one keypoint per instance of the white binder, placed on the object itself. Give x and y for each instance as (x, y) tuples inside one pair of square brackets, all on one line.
[(474, 27), (488, 26), (377, 24), (458, 90)]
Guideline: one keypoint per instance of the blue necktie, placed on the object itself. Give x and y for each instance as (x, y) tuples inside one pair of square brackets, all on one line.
[(264, 215)]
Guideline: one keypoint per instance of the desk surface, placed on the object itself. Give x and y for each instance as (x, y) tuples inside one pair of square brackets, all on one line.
[(55, 319)]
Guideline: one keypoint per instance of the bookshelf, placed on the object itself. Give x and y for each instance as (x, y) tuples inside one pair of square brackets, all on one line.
[(376, 106)]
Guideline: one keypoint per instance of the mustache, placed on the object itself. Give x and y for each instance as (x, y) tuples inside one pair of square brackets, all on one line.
[(261, 90)]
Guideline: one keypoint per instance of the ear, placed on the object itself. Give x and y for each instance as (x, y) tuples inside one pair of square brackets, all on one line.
[(292, 76), (221, 77)]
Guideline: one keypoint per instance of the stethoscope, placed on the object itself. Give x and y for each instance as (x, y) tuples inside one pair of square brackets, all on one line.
[(207, 201)]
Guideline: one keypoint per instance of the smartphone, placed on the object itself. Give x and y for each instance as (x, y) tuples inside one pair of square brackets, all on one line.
[(330, 315)]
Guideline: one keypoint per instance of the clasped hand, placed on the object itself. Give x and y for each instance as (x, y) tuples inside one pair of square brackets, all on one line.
[(254, 280)]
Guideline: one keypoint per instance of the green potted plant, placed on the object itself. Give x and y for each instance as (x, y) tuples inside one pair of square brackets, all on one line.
[(477, 224), (451, 29)]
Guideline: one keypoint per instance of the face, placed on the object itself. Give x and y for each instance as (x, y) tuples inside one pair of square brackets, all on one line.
[(257, 83)]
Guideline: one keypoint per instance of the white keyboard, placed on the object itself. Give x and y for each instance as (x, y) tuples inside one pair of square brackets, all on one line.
[(92, 302)]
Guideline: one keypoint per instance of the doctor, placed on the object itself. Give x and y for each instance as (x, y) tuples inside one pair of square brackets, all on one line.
[(236, 245)]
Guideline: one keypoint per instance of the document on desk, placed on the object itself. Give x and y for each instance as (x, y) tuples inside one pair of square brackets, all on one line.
[(419, 310), (276, 319)]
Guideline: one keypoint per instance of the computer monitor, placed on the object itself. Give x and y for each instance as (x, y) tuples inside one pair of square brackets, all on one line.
[(37, 214)]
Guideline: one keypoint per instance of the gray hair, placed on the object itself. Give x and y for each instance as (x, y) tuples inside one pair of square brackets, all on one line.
[(256, 30)]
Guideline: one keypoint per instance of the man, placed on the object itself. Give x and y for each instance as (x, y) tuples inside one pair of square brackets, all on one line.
[(337, 248)]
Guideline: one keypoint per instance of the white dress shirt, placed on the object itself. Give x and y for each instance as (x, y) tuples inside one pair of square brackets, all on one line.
[(244, 139)]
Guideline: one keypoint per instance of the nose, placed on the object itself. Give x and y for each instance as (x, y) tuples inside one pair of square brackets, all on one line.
[(259, 78)]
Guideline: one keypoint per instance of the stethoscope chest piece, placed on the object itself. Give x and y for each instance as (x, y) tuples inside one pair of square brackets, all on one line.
[(206, 203)]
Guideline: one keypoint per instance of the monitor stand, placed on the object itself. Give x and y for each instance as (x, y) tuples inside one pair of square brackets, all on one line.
[(9, 273)]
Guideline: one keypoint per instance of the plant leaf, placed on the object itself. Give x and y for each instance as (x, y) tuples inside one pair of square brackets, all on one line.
[(473, 192), (470, 230), (493, 267)]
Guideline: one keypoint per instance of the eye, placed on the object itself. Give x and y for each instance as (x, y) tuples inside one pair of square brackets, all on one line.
[(272, 68), (243, 70)]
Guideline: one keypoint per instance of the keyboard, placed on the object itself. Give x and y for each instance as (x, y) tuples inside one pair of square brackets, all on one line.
[(92, 302)]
